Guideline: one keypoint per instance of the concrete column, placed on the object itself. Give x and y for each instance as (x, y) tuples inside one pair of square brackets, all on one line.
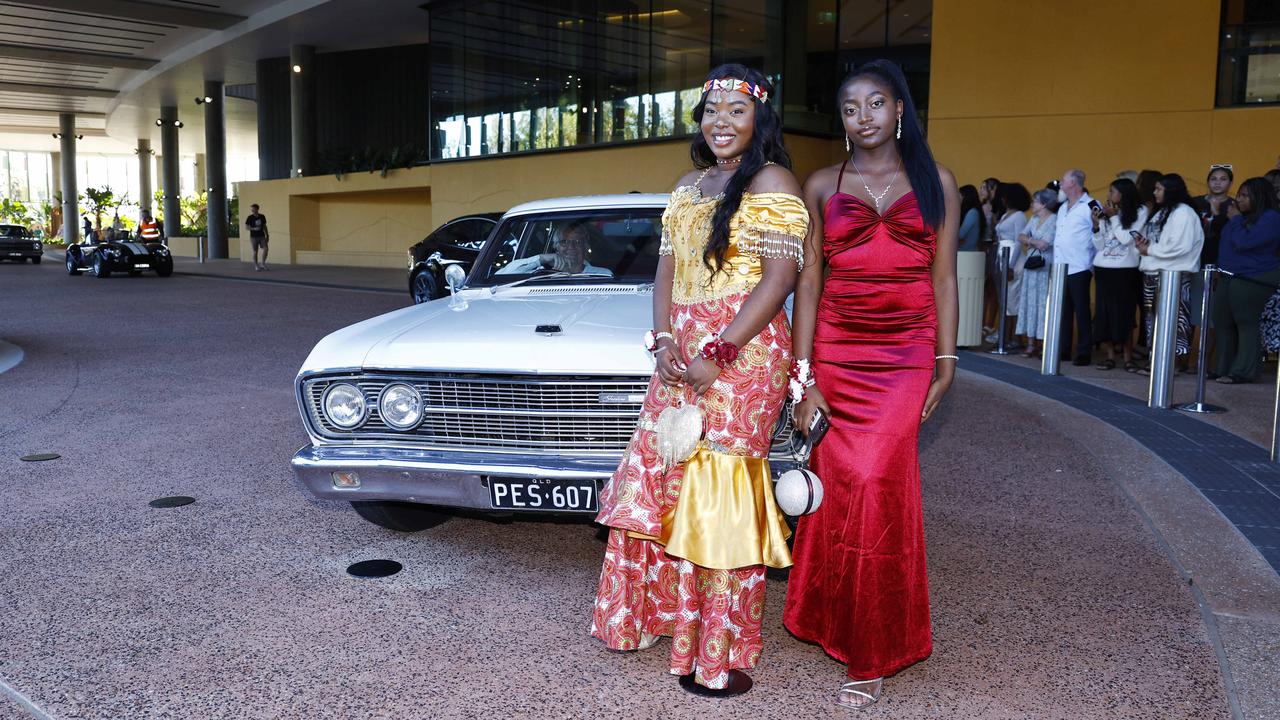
[(215, 148), (144, 177), (169, 176), (70, 205), (55, 179), (302, 116)]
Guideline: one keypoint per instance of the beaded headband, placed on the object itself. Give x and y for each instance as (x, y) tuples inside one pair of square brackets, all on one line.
[(734, 84)]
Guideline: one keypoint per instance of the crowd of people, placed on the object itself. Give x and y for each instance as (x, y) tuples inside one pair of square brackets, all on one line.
[(1115, 247)]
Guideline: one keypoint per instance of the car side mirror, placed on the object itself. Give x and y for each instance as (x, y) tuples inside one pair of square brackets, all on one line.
[(454, 277)]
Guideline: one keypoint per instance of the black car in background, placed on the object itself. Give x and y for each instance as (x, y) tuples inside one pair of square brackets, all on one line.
[(17, 243), (120, 255), (456, 242)]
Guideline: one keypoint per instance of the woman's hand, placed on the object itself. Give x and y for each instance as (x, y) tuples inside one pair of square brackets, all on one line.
[(1141, 243), (671, 366), (802, 414), (937, 389), (1232, 210), (700, 374), (1022, 238)]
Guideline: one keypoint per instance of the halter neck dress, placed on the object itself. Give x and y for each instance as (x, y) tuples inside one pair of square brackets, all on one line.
[(859, 586)]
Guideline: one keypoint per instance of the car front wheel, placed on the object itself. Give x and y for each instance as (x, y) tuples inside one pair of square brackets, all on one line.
[(401, 516), (100, 268), (36, 260), (73, 267), (425, 287), (164, 268)]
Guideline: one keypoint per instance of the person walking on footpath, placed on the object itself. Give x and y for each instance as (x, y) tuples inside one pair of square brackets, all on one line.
[(1073, 246), (690, 536), (1250, 249), (876, 313), (258, 236)]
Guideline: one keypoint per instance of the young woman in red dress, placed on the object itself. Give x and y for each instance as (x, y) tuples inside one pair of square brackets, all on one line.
[(875, 317)]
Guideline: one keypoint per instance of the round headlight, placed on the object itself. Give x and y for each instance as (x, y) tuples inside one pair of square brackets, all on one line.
[(344, 405), (400, 406)]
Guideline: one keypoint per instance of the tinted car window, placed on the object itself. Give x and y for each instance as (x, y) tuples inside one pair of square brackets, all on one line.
[(16, 231)]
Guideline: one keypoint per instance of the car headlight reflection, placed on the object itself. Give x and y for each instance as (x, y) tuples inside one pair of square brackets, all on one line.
[(400, 406), (344, 405)]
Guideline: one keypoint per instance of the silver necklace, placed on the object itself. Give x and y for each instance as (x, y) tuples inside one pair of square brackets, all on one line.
[(867, 187)]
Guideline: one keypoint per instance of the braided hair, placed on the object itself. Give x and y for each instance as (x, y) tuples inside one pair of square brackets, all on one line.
[(766, 147)]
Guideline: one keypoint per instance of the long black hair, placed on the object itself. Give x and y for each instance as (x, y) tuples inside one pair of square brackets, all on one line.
[(766, 147), (969, 201), (1130, 201), (1175, 194), (1262, 197), (917, 159)]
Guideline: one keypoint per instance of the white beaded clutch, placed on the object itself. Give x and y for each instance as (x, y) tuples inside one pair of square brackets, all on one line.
[(679, 428)]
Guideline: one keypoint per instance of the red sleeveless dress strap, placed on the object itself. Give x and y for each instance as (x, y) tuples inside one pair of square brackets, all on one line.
[(859, 586)]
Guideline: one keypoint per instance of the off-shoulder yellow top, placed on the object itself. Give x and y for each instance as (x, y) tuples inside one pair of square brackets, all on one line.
[(767, 225)]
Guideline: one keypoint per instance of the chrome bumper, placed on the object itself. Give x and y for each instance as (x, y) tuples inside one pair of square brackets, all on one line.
[(433, 478)]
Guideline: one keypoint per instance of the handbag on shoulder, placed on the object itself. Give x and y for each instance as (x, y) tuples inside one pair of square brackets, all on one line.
[(1035, 261)]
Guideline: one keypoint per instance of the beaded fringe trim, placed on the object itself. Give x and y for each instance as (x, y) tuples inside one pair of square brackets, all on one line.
[(771, 244), (665, 247)]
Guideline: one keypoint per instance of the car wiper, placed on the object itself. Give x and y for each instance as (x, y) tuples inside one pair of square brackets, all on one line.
[(560, 275)]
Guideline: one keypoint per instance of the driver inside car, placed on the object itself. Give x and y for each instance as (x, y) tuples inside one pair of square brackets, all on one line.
[(570, 245)]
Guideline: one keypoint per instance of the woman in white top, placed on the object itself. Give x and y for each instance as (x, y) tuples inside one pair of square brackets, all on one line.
[(1036, 240), (1016, 201), (1171, 240), (1115, 271)]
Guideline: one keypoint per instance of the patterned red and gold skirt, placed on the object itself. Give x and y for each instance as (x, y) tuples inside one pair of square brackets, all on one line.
[(688, 546)]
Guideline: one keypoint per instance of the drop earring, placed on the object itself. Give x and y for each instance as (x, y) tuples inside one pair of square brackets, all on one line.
[(899, 135), (847, 147)]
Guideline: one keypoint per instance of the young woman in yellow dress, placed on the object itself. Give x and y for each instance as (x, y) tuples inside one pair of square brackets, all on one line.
[(688, 545)]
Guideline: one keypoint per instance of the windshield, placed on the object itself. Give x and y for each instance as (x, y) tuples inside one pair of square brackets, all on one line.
[(14, 231), (601, 245)]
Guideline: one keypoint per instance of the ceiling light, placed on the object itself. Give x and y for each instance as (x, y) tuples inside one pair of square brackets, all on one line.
[(177, 123), (159, 122), (297, 68), (203, 100)]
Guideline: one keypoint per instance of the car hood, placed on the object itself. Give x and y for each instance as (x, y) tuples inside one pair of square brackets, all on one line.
[(600, 333)]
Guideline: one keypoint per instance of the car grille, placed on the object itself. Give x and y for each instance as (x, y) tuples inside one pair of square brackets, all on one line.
[(564, 415)]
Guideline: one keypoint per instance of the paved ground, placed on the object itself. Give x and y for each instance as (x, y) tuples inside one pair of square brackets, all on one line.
[(1058, 571)]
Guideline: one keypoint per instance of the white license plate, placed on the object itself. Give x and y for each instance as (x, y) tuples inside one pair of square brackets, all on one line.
[(15, 254), (543, 494), (141, 265)]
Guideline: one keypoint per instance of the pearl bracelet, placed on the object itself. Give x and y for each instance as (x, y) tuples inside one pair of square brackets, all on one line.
[(947, 357)]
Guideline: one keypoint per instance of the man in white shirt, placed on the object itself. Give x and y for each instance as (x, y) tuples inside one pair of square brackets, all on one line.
[(1073, 246)]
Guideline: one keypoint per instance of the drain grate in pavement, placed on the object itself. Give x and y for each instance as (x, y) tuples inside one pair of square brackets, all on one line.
[(172, 501), (39, 457), (374, 568)]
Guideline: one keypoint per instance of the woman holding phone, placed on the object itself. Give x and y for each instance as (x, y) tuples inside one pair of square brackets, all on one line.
[(1115, 271), (875, 336), (1171, 240)]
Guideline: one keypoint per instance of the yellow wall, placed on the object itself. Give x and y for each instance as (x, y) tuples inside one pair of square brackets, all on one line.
[(1024, 90), (368, 219)]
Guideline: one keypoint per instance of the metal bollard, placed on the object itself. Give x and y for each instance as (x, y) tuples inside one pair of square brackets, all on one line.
[(1164, 340), (1275, 420), (1003, 269), (1052, 345), (200, 248), (1206, 302)]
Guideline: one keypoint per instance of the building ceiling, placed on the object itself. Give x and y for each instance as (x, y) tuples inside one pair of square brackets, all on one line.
[(115, 62)]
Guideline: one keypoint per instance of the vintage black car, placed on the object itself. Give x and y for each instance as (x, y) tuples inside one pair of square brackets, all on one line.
[(17, 243), (456, 242), (120, 255)]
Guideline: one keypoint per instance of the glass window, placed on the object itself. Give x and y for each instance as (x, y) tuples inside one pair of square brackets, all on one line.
[(619, 244)]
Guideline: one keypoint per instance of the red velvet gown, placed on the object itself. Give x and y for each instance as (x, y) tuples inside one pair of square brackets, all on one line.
[(859, 586)]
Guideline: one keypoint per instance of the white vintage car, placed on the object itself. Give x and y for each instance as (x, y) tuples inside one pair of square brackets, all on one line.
[(519, 392)]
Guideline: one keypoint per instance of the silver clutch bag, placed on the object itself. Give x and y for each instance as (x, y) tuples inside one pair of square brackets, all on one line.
[(679, 428)]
